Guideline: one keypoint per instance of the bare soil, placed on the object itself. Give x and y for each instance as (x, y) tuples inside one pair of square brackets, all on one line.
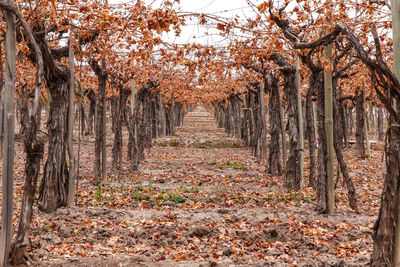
[(200, 199)]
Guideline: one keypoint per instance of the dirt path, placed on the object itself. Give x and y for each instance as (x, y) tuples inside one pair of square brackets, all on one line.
[(201, 200)]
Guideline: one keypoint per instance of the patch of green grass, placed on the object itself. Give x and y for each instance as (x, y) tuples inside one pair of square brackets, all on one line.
[(216, 190), (176, 198), (267, 198), (112, 196), (231, 164), (122, 188), (218, 199), (194, 190), (47, 228), (150, 188), (138, 196), (236, 165), (239, 198), (99, 193), (139, 188)]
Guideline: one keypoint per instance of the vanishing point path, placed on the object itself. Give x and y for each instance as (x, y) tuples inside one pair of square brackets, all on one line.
[(199, 199)]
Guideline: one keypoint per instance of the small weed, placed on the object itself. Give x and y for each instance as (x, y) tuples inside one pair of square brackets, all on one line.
[(267, 198), (139, 196), (112, 193), (237, 165), (218, 200), (239, 198), (231, 164), (272, 239), (161, 196), (139, 188), (216, 190), (47, 228), (194, 190), (99, 193), (122, 188), (176, 198), (150, 188)]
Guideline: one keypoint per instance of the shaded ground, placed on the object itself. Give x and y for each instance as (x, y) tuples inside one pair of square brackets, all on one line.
[(201, 200)]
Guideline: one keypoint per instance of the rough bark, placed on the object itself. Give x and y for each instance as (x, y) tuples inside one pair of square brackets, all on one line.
[(274, 162), (34, 150), (350, 120), (120, 113), (245, 121), (99, 143), (385, 226), (380, 123), (92, 111), (317, 83), (360, 121), (8, 145), (292, 172), (82, 117), (312, 181), (54, 185), (351, 190), (293, 176), (70, 129)]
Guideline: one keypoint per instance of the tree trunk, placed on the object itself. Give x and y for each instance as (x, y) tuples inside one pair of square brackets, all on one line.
[(283, 134), (339, 122), (54, 185), (71, 182), (82, 118), (317, 82), (329, 132), (366, 123), (385, 225), (130, 123), (100, 170), (263, 133), (34, 150), (292, 173), (8, 146), (312, 181), (274, 161), (300, 122), (360, 124), (350, 120), (114, 113), (351, 190), (120, 113), (380, 123), (386, 234), (245, 121), (92, 110)]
